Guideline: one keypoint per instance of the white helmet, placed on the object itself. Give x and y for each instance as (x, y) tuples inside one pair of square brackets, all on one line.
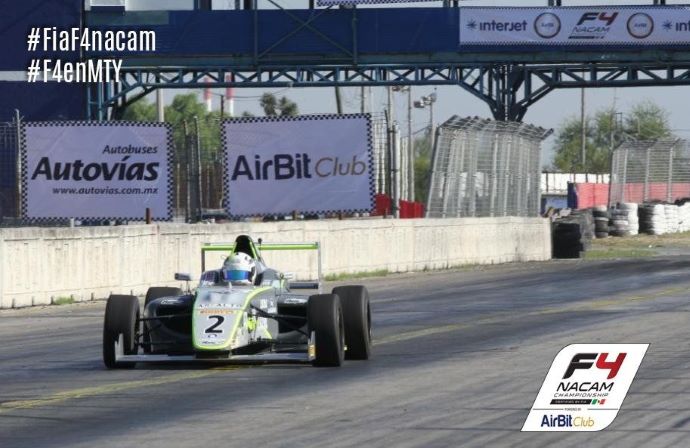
[(239, 269)]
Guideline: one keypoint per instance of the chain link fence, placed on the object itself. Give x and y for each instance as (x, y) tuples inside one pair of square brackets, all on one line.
[(483, 167), (9, 188), (646, 171)]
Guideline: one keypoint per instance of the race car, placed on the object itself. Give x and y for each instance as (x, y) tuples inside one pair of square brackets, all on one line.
[(243, 312)]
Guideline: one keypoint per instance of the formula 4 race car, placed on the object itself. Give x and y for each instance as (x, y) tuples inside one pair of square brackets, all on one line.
[(243, 312)]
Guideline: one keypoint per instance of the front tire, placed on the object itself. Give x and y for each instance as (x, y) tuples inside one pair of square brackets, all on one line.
[(357, 317), (121, 318), (325, 318)]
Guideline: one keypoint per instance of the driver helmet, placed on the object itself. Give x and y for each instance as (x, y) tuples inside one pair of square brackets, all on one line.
[(239, 269)]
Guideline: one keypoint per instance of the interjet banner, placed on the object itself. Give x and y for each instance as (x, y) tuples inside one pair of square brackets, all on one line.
[(308, 164), (96, 170), (583, 26)]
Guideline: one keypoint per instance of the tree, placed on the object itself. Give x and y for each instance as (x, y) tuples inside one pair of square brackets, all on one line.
[(646, 121), (140, 110), (184, 109), (274, 107), (422, 167)]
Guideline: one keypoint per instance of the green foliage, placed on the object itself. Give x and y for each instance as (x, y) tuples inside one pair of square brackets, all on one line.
[(422, 167), (141, 110), (186, 108), (183, 111), (274, 107), (356, 275), (647, 121), (604, 131), (63, 300)]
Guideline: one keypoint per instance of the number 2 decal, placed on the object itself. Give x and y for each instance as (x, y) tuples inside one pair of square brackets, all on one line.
[(212, 328)]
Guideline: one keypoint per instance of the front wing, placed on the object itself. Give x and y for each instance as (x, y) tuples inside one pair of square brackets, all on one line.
[(272, 357)]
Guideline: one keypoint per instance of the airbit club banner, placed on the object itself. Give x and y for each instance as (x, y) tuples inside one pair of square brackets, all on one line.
[(310, 164), (96, 170), (577, 26)]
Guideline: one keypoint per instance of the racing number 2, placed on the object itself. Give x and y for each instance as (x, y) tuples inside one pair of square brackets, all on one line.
[(212, 328)]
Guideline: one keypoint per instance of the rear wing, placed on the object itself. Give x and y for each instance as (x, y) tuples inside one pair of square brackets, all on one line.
[(261, 246)]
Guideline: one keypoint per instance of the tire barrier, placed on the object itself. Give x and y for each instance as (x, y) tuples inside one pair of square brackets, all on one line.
[(624, 220), (601, 221), (671, 214), (573, 234), (653, 219), (683, 215)]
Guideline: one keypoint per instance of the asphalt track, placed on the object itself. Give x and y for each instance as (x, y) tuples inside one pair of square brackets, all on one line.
[(458, 359)]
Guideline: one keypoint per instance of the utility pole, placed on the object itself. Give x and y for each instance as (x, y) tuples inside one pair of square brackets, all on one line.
[(431, 119), (160, 107), (410, 144), (198, 167), (391, 111), (363, 99), (338, 102), (583, 130)]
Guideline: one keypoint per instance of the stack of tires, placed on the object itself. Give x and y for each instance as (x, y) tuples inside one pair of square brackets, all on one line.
[(601, 221), (633, 220), (619, 223), (653, 219), (672, 218), (683, 215), (573, 234), (567, 239)]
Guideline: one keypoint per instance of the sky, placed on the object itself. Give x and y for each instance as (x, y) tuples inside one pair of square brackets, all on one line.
[(549, 112)]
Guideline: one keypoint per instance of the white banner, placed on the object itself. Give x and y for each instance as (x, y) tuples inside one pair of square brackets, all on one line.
[(307, 164), (96, 170), (584, 26), (585, 387)]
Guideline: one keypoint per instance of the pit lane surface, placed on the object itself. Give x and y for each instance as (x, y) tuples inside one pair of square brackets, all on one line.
[(458, 359)]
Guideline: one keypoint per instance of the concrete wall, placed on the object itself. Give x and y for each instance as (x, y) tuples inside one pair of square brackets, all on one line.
[(37, 264)]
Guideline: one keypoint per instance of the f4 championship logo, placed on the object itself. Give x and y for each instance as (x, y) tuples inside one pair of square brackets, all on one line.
[(585, 387)]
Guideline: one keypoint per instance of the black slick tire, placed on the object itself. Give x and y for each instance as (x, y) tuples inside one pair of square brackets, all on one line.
[(357, 315), (325, 318), (121, 318)]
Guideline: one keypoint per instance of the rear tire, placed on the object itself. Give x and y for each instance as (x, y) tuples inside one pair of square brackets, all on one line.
[(357, 316), (153, 293), (121, 318), (325, 318)]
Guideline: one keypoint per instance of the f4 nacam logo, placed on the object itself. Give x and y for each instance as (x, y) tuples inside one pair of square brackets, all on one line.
[(580, 361), (584, 378), (593, 25)]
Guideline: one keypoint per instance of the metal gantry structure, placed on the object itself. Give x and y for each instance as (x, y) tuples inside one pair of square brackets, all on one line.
[(508, 82)]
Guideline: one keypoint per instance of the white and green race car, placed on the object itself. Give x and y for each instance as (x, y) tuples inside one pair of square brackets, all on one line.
[(265, 321)]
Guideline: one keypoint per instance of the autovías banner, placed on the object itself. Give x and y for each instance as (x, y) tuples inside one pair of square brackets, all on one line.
[(311, 164), (575, 26), (96, 170)]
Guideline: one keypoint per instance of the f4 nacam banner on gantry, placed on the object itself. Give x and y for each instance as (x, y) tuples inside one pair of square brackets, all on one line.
[(307, 164), (577, 26), (96, 170)]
